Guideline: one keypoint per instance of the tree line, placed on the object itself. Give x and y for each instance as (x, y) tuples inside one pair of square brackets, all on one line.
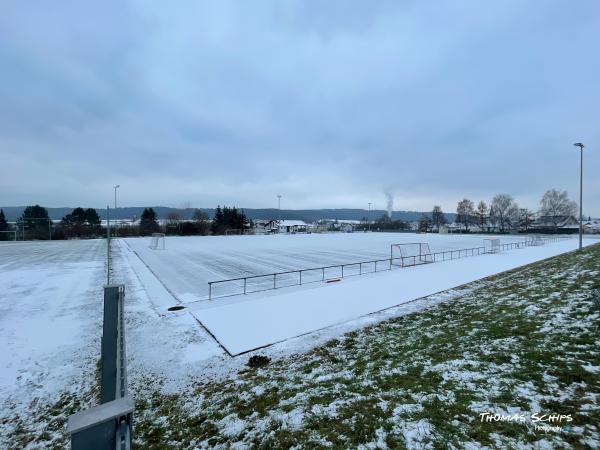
[(504, 214), (501, 215)]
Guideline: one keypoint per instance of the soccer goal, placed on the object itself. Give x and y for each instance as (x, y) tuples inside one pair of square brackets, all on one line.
[(234, 232), (10, 235), (158, 241), (535, 241), (410, 254), (491, 246)]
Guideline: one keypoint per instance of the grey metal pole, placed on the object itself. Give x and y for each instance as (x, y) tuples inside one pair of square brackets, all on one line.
[(50, 228), (107, 245), (580, 145), (369, 218), (115, 188), (580, 196)]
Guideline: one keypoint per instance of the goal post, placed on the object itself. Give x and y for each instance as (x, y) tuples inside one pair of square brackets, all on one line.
[(8, 236), (536, 241), (410, 254), (491, 246), (157, 241)]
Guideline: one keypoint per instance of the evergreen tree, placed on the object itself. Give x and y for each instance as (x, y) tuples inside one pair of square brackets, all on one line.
[(35, 222), (148, 222), (3, 226), (217, 223), (92, 217)]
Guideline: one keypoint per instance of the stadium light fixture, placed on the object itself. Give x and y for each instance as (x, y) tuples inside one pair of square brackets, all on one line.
[(580, 145)]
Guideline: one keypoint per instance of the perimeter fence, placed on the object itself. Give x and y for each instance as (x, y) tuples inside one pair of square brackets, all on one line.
[(265, 282)]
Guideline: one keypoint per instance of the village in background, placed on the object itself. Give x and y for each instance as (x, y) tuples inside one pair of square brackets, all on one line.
[(556, 214)]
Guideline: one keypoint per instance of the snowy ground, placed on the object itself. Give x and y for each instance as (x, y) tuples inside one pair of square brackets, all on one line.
[(189, 263), (50, 304), (50, 322), (245, 323)]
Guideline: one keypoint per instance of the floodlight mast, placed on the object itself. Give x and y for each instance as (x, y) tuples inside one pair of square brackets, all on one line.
[(580, 145)]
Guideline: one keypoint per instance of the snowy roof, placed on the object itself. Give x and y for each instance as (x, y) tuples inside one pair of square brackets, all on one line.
[(291, 223)]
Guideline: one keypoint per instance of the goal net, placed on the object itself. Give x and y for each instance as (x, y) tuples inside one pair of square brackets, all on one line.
[(8, 235), (410, 254), (157, 241), (233, 231), (536, 240), (491, 245)]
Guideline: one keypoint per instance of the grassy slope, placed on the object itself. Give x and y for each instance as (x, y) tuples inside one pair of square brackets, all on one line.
[(522, 342), (525, 341)]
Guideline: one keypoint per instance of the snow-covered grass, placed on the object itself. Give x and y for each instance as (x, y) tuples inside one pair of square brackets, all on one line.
[(50, 324), (189, 263), (522, 342), (414, 376)]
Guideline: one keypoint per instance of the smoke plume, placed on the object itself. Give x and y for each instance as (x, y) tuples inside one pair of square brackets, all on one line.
[(390, 203)]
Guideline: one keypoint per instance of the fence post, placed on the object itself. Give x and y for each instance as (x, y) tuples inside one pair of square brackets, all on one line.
[(274, 281), (342, 271), (245, 279), (210, 290), (300, 272)]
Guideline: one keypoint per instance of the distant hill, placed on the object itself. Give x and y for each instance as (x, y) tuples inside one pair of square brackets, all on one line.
[(310, 215)]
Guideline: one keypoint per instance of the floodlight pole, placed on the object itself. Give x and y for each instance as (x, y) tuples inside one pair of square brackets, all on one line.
[(369, 217), (279, 205), (115, 188), (580, 145)]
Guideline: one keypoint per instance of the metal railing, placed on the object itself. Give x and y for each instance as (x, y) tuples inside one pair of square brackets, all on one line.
[(266, 282), (108, 425)]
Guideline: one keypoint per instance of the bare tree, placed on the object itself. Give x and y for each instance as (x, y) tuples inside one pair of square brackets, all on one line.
[(526, 218), (481, 214), (555, 207), (505, 211), (465, 213), (438, 217)]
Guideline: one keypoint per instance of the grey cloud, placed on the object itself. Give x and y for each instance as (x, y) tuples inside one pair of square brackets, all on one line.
[(229, 102)]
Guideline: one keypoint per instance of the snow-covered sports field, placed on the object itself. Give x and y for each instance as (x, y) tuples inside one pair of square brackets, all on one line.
[(188, 263), (179, 275)]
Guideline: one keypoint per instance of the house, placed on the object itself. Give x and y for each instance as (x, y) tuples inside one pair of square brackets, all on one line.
[(544, 223), (292, 226), (280, 226)]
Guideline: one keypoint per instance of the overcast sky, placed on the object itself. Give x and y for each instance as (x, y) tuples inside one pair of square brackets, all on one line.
[(328, 103)]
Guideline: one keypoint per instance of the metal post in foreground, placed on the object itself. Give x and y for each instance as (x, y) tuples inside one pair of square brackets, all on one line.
[(108, 425), (580, 145), (107, 244)]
